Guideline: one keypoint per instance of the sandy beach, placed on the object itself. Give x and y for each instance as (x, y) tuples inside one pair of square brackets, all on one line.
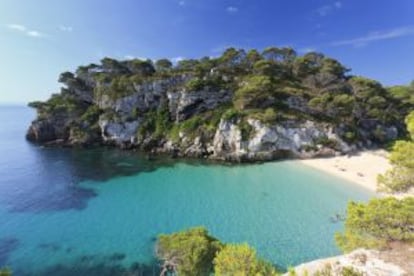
[(361, 168)]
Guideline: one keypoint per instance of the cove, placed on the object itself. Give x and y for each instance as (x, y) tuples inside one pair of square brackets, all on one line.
[(98, 212)]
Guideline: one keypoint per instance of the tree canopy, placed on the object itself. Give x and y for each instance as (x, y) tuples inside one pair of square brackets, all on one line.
[(240, 259), (192, 251), (195, 252), (376, 223), (5, 272), (275, 83), (401, 177)]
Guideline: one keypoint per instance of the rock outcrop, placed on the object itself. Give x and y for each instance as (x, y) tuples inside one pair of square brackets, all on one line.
[(362, 261), (217, 109)]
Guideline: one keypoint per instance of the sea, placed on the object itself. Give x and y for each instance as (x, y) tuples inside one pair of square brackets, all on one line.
[(98, 211)]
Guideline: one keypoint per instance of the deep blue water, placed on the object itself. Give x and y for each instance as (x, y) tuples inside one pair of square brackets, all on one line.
[(98, 211)]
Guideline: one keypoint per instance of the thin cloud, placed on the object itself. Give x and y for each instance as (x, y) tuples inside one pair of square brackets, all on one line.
[(328, 9), (376, 36), (232, 9), (181, 3), (16, 27), (64, 28), (34, 34), (338, 4), (26, 31)]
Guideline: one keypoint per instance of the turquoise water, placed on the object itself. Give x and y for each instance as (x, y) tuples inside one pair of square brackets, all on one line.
[(98, 212)]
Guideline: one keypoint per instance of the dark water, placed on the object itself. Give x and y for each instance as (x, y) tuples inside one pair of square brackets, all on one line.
[(98, 211)]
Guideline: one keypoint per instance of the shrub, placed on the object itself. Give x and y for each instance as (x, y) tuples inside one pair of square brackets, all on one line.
[(5, 272), (246, 130), (240, 259), (191, 251), (91, 114), (231, 114), (254, 91), (374, 224), (191, 124)]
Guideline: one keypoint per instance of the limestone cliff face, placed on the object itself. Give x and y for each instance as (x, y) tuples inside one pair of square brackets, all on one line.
[(187, 115)]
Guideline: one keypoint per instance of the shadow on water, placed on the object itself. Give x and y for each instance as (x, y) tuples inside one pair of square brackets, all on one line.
[(94, 265), (7, 246), (41, 179), (51, 181)]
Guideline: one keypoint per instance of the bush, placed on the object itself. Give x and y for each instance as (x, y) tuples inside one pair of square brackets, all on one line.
[(191, 251), (254, 91), (212, 83), (374, 224), (91, 115), (231, 114), (156, 122), (240, 259), (5, 272), (269, 116), (401, 177), (191, 124), (246, 130)]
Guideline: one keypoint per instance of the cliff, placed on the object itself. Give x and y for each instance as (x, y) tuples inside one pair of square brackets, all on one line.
[(396, 261), (242, 106)]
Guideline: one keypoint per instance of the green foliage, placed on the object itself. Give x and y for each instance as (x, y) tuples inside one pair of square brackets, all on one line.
[(366, 88), (405, 94), (143, 68), (187, 65), (268, 68), (91, 114), (267, 116), (401, 177), (332, 66), (157, 123), (246, 130), (192, 251), (350, 136), (5, 272), (261, 83), (326, 271), (202, 125), (191, 124), (163, 65), (253, 91), (409, 121), (231, 114), (240, 259), (62, 103), (65, 76), (350, 271), (197, 84), (376, 223)]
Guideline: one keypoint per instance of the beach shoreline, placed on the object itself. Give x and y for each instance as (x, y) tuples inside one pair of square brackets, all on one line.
[(361, 168)]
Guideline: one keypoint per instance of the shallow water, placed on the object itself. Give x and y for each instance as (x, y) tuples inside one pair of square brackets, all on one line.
[(98, 212)]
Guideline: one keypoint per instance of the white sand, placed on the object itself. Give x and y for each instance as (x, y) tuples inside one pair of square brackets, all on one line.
[(361, 168)]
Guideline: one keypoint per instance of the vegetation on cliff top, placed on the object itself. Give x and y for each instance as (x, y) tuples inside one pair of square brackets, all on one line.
[(401, 177), (377, 223), (272, 86)]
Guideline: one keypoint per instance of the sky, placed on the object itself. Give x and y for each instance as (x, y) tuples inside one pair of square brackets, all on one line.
[(41, 39)]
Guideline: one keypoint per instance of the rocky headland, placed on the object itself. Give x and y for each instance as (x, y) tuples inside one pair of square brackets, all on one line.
[(242, 106)]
